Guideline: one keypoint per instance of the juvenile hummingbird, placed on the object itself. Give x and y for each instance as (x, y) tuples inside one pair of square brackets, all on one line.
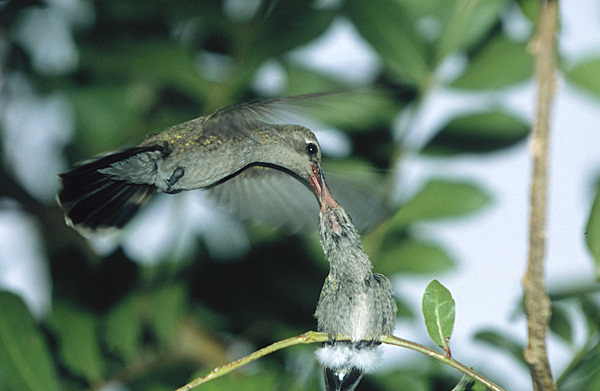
[(354, 302), (231, 152)]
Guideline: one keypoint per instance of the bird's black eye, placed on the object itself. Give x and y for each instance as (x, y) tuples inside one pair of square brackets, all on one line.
[(312, 149)]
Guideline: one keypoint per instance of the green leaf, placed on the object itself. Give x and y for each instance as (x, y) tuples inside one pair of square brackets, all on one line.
[(25, 360), (498, 64), (439, 311), (592, 232), (132, 15), (530, 8), (284, 27), (106, 117), (585, 75), (560, 324), (124, 328), (77, 335), (168, 304), (591, 311), (467, 23), (386, 26), (146, 61), (441, 199), (479, 132), (411, 256), (584, 372), (502, 342)]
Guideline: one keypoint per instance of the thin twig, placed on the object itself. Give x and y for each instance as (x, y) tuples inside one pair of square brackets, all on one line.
[(308, 337), (536, 300), (312, 336), (390, 339)]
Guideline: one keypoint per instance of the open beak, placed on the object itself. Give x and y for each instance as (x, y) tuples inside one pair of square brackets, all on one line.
[(317, 179)]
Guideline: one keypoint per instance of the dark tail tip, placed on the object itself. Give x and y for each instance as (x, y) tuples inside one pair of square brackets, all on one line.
[(344, 379), (93, 201)]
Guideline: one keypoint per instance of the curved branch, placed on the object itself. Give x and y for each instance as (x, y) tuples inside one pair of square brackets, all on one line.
[(390, 339), (312, 337)]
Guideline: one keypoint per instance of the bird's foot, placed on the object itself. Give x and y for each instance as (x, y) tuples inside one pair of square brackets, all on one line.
[(367, 343), (331, 338)]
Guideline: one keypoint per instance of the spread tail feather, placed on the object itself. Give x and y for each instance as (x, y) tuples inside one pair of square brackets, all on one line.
[(93, 201)]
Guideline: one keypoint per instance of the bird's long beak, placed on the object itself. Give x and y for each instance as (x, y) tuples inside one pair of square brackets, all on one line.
[(318, 182)]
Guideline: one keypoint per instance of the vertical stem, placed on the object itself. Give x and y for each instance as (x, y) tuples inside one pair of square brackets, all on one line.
[(536, 300)]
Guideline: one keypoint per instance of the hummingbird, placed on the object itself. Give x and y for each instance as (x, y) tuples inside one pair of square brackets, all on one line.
[(229, 153), (354, 301)]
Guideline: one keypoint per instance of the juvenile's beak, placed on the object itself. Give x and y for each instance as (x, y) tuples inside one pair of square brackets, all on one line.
[(317, 179)]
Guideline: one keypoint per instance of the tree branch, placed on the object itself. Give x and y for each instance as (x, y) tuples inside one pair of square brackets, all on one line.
[(536, 300), (308, 337), (312, 337)]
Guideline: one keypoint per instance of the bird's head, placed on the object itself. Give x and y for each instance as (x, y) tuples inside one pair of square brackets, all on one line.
[(303, 158)]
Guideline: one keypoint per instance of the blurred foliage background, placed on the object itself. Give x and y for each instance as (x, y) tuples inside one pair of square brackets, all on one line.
[(186, 289)]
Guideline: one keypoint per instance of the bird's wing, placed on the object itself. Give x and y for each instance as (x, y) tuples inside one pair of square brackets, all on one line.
[(365, 203), (389, 307), (265, 194), (235, 119)]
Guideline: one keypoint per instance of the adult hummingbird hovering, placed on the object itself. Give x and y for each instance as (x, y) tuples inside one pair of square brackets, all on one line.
[(354, 302), (231, 153)]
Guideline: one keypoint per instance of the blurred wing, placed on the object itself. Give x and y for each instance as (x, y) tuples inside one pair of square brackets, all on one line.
[(234, 119), (366, 204), (263, 194)]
